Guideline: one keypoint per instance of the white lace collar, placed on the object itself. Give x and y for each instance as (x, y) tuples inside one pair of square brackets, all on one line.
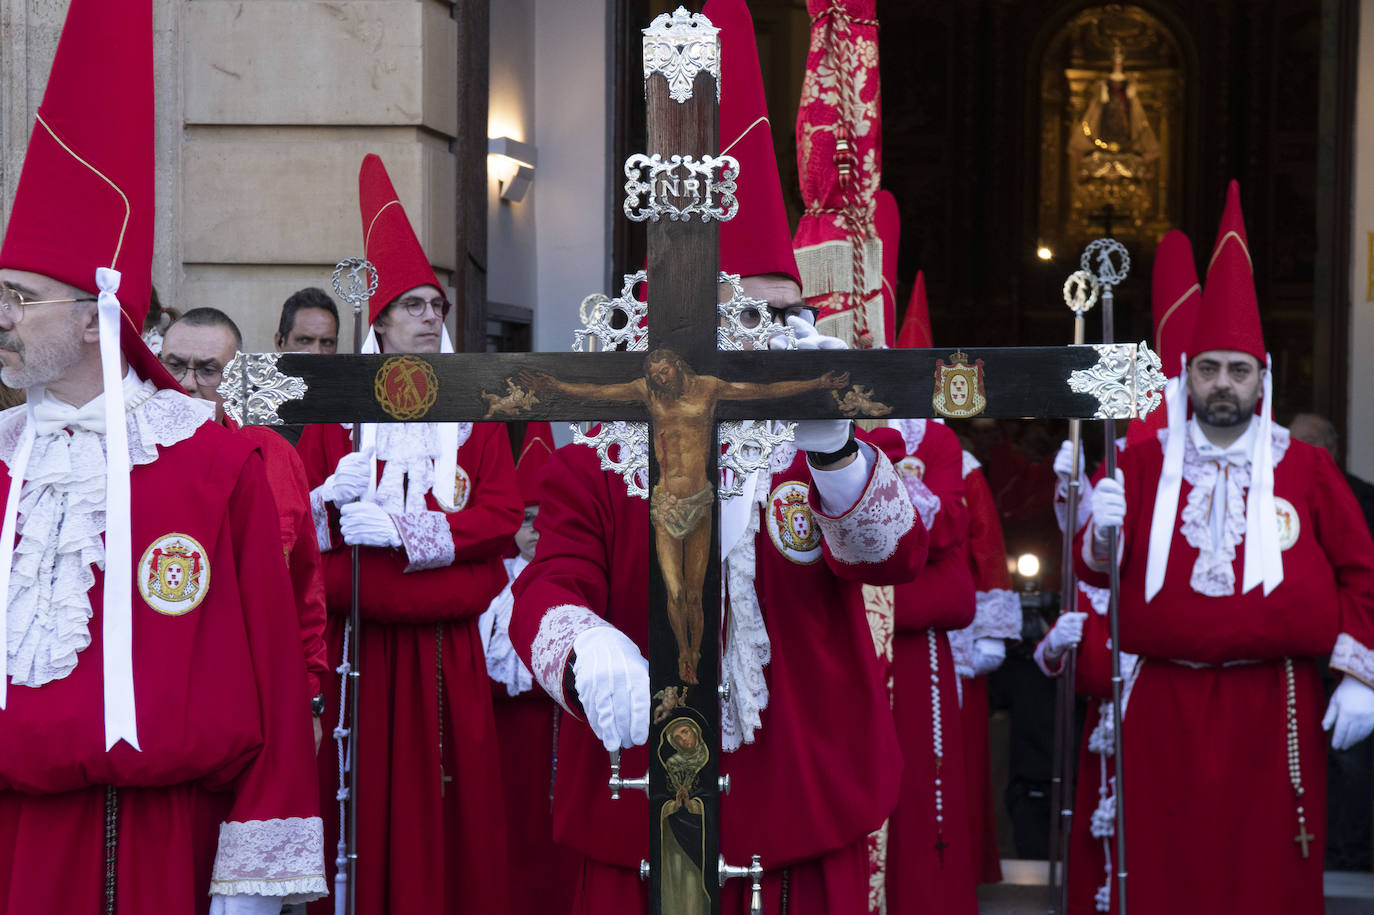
[(1214, 518), (61, 521)]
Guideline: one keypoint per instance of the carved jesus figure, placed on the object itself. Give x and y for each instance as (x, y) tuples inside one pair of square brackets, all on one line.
[(682, 405)]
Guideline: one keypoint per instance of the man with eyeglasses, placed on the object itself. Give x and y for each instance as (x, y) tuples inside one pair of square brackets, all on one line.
[(148, 760), (195, 350), (433, 507)]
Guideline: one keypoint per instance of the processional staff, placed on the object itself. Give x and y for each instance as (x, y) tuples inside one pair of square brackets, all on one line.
[(1112, 263), (355, 281), (1080, 295)]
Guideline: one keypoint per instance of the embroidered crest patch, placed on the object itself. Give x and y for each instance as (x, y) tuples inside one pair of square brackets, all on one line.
[(462, 491), (790, 524), (1290, 525), (174, 574), (911, 466), (406, 387)]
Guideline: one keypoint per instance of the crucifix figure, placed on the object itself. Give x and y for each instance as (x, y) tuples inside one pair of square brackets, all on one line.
[(682, 406), (683, 189)]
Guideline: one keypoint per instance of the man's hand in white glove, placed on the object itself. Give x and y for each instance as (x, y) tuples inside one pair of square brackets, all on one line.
[(1350, 715), (612, 680), (1066, 633), (988, 655), (818, 435), (367, 524), (1063, 462), (350, 479), (1109, 509)]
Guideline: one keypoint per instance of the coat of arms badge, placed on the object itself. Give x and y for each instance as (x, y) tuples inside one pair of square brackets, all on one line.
[(959, 389), (790, 525), (174, 574)]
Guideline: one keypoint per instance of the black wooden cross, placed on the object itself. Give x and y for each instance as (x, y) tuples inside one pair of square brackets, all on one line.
[(682, 203)]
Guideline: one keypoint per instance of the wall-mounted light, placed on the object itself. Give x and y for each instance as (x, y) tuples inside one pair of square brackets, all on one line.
[(512, 162)]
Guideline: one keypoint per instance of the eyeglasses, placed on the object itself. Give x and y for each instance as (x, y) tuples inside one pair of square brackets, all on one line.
[(416, 306), (206, 373), (13, 303)]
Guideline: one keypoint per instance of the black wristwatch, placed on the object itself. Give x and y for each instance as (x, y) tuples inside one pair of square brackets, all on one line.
[(317, 706), (820, 458)]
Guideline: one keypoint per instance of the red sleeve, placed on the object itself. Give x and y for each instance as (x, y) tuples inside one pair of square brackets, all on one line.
[(1344, 536), (271, 842), (944, 476)]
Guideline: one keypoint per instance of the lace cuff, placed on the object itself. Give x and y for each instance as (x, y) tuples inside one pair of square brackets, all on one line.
[(961, 651), (870, 531), (282, 858), (998, 615), (1350, 657), (427, 538), (553, 643), (926, 503), (319, 514)]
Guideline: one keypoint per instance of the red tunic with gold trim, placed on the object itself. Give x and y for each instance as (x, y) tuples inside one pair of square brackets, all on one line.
[(1210, 804), (929, 865), (824, 768), (224, 758), (291, 492), (431, 820)]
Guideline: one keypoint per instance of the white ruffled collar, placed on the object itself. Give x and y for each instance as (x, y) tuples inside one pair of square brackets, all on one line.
[(62, 521)]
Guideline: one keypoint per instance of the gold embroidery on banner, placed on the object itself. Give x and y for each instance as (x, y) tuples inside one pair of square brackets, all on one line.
[(406, 387)]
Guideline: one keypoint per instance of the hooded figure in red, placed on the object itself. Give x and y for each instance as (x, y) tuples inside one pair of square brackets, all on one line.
[(145, 760), (431, 506), (1243, 556)]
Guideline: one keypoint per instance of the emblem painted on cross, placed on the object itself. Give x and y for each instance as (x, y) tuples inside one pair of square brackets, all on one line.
[(683, 388)]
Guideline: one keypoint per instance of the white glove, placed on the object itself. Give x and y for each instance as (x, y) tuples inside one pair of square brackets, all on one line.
[(988, 655), (819, 435), (1063, 463), (350, 479), (1066, 633), (1350, 716), (612, 680), (367, 524), (1109, 508)]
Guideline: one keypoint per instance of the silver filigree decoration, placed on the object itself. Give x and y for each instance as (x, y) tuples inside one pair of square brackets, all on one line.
[(265, 391), (355, 281), (680, 187), (746, 323), (1126, 380), (680, 46), (1080, 292), (1107, 260), (624, 448), (614, 324), (621, 324)]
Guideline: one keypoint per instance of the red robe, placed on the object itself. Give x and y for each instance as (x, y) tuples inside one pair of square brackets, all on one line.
[(824, 768), (218, 741), (1206, 755), (929, 865), (425, 844), (291, 493), (998, 616)]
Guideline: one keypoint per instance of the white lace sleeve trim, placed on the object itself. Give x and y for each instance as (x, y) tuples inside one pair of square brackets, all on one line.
[(961, 651), (271, 858), (913, 432), (747, 649), (553, 643), (998, 615), (971, 464), (427, 538), (319, 516), (926, 503), (1349, 656), (503, 664), (871, 530)]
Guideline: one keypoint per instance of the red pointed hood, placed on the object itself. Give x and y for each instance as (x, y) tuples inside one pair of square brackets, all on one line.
[(1229, 316), (916, 325), (389, 242), (1175, 298), (85, 195), (533, 455), (888, 224), (757, 241)]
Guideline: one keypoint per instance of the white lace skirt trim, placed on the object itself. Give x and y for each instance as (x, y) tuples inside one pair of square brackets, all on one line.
[(871, 530), (282, 858)]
